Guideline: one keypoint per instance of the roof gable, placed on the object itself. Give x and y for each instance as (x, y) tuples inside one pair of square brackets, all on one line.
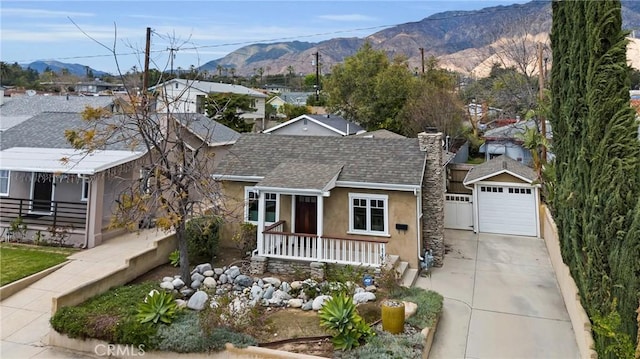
[(333, 123), (497, 166), (364, 160)]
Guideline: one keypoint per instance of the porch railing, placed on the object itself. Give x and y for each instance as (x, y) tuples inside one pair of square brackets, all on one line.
[(309, 247), (60, 214)]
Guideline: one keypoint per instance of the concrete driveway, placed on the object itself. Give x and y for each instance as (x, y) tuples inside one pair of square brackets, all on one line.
[(502, 300)]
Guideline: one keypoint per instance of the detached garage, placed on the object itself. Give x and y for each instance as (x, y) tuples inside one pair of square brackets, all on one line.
[(505, 199)]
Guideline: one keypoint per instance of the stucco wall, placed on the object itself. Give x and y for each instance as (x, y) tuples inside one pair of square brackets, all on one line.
[(402, 210)]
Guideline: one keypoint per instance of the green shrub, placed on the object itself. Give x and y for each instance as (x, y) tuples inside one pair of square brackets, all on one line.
[(184, 335), (174, 258), (339, 316), (217, 339), (345, 273), (246, 238), (203, 235), (157, 307), (429, 305), (387, 346), (109, 316)]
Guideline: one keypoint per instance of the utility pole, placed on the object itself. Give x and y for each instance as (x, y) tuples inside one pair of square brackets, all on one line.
[(145, 75), (543, 122), (317, 54), (422, 59)]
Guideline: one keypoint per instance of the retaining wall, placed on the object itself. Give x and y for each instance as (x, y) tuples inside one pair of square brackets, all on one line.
[(579, 318)]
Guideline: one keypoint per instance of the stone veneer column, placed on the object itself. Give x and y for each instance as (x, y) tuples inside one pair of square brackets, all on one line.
[(433, 196)]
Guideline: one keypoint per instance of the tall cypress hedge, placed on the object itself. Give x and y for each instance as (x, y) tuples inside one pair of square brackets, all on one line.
[(597, 207)]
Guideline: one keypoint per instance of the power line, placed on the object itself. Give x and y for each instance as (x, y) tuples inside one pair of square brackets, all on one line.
[(195, 47)]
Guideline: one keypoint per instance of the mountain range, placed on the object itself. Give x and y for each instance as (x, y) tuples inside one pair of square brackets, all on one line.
[(469, 42), (57, 66), (465, 41)]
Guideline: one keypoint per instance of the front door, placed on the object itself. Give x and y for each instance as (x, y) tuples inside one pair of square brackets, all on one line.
[(306, 214), (41, 192)]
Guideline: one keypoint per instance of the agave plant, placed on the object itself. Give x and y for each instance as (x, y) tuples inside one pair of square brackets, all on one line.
[(157, 307), (339, 316)]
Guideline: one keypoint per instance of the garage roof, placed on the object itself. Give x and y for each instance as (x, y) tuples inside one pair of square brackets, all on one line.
[(499, 165)]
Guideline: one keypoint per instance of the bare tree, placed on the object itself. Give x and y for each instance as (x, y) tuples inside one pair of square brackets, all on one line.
[(175, 181)]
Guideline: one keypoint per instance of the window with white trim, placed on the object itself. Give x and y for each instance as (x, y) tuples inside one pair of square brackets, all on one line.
[(4, 182), (85, 190), (271, 206), (368, 214)]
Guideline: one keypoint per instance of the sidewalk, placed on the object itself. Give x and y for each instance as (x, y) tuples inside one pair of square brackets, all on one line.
[(24, 317), (502, 300)]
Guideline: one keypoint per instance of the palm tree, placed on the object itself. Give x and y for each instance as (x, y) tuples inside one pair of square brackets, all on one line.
[(534, 141)]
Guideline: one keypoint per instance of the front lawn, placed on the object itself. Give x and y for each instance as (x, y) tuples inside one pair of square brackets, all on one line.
[(18, 261)]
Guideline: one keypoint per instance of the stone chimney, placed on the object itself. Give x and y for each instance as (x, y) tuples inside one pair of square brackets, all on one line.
[(433, 196)]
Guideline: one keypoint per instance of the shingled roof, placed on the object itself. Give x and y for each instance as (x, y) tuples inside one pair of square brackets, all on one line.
[(211, 131), (364, 160), (499, 165)]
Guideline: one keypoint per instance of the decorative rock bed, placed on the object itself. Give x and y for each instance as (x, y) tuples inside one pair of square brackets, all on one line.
[(209, 284)]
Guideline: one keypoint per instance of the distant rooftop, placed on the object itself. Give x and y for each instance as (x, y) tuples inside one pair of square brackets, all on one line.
[(213, 87)]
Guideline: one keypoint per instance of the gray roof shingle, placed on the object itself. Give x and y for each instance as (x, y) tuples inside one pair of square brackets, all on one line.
[(498, 165), (207, 129), (338, 123), (46, 130), (301, 175), (369, 160)]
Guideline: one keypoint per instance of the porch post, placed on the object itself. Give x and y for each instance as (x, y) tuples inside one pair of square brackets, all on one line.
[(261, 206), (95, 204), (320, 225)]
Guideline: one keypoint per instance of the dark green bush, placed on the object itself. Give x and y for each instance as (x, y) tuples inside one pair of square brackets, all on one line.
[(387, 346), (203, 235), (184, 335)]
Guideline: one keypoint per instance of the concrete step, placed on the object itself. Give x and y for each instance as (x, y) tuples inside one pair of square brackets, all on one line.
[(392, 261), (401, 268), (409, 277)]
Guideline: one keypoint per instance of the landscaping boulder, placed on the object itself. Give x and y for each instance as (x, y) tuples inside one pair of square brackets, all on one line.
[(272, 280), (167, 279), (410, 308), (197, 277), (296, 284), (218, 271), (268, 293), (187, 292), (279, 297), (223, 279), (308, 305), (285, 287), (177, 283), (243, 281), (318, 302), (201, 268), (196, 284), (256, 292), (181, 303), (209, 282), (232, 272), (208, 273), (371, 288), (166, 286), (198, 300), (363, 297), (295, 303)]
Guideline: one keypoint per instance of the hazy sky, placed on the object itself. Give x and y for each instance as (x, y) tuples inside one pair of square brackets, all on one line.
[(204, 30)]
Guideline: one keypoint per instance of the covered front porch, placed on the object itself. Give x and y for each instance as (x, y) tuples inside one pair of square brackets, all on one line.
[(276, 243)]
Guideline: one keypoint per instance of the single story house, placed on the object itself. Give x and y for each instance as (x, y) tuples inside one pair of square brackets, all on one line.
[(507, 140), (48, 184), (316, 125), (350, 200)]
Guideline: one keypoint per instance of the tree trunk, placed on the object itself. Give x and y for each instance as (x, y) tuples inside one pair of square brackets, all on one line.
[(185, 272)]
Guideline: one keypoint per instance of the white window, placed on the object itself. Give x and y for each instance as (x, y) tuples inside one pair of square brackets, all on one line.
[(4, 182), (368, 214), (271, 206), (85, 190)]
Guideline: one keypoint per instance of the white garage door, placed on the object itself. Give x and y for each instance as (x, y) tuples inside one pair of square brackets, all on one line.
[(507, 210)]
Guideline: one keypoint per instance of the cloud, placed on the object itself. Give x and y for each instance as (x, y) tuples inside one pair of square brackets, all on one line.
[(38, 13), (347, 17)]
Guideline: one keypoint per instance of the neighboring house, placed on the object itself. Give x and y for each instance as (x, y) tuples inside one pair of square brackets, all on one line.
[(481, 111), (316, 125), (16, 109), (292, 98), (507, 140), (383, 133), (187, 96), (77, 195), (348, 200), (276, 88), (96, 86), (505, 199)]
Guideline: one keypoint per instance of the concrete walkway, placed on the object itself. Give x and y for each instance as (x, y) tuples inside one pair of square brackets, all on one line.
[(24, 317), (502, 300)]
